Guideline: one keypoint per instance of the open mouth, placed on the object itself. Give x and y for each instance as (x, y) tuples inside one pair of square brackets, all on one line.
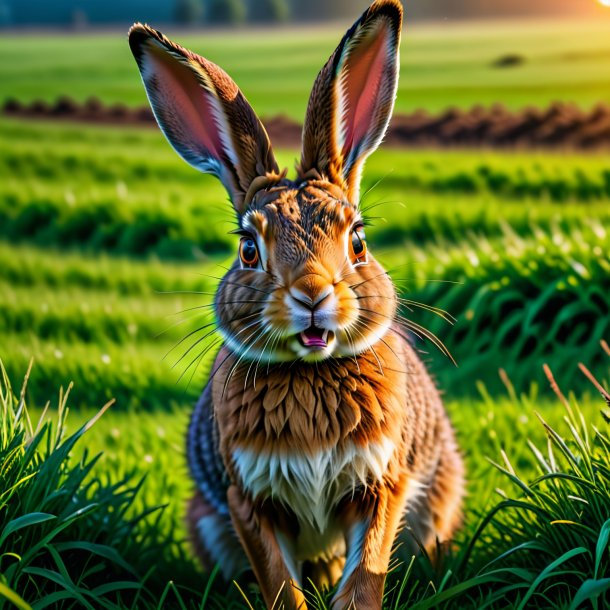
[(315, 338)]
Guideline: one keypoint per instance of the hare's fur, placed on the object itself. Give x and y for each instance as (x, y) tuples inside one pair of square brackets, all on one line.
[(320, 441)]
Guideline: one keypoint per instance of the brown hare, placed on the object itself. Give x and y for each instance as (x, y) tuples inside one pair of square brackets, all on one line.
[(320, 441)]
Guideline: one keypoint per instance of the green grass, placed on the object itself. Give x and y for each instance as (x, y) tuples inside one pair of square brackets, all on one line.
[(79, 533), (125, 191), (65, 500), (519, 303), (116, 325), (442, 65), (111, 323)]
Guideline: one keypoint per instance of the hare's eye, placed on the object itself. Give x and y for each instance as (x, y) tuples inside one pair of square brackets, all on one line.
[(248, 252), (358, 245)]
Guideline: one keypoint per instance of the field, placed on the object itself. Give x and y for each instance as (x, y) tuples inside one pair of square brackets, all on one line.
[(442, 65), (441, 217), (111, 249)]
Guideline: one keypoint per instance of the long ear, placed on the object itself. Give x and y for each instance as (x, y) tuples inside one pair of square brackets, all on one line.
[(353, 97), (202, 112)]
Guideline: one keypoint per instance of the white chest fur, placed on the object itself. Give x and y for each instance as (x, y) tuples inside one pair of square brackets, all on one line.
[(311, 485)]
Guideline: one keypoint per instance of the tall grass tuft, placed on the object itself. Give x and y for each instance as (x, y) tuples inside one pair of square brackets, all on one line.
[(547, 541), (67, 538)]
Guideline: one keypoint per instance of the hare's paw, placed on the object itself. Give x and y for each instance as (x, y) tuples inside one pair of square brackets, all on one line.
[(363, 590)]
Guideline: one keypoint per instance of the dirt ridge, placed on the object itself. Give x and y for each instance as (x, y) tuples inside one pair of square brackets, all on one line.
[(559, 126)]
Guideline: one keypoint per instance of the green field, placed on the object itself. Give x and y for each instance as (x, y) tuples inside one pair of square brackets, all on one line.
[(475, 235), (111, 249), (442, 65)]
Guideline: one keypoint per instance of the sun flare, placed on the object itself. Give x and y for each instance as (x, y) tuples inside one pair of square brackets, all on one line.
[(605, 3)]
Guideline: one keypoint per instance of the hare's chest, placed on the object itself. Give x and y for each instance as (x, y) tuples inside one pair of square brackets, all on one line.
[(312, 484)]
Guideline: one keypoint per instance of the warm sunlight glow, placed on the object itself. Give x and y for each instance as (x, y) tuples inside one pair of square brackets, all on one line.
[(605, 3)]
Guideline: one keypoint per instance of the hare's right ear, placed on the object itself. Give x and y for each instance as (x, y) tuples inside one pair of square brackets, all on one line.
[(353, 97), (202, 112)]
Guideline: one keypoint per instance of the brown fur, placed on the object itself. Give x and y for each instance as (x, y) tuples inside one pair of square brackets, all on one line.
[(256, 534), (361, 409), (308, 407)]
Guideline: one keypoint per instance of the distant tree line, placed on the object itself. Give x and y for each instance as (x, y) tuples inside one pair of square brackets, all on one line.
[(231, 11), (78, 13)]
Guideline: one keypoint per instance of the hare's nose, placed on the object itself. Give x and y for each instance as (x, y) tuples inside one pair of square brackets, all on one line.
[(306, 300)]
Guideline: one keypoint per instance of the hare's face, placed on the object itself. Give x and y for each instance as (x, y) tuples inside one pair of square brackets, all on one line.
[(304, 285)]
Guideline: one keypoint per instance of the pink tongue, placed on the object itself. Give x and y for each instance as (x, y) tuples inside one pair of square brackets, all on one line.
[(312, 337)]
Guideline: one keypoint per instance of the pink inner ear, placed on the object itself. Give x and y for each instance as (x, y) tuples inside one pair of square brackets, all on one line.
[(182, 104), (365, 70)]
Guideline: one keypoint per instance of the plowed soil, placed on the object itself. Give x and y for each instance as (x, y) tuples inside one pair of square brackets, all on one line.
[(560, 126)]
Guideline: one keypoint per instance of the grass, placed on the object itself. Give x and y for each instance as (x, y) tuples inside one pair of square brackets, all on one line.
[(550, 509), (115, 324), (73, 532), (47, 506), (545, 543), (126, 192), (441, 64), (542, 300)]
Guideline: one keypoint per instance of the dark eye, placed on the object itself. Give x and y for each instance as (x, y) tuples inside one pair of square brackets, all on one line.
[(248, 252), (358, 244)]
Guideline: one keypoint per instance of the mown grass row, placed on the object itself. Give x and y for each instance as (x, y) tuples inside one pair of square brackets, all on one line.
[(105, 154), (535, 182), (113, 325), (525, 175), (126, 192), (182, 228), (107, 318), (24, 266), (135, 375), (520, 303), (81, 529)]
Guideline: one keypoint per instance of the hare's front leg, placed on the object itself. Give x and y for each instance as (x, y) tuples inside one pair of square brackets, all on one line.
[(259, 541), (371, 528)]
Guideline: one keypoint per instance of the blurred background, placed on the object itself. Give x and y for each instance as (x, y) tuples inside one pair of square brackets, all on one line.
[(78, 13), (490, 200)]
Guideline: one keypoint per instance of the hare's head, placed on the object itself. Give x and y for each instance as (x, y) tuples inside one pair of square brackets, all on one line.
[(304, 284)]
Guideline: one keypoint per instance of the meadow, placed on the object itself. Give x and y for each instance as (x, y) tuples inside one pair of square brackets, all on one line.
[(110, 252), (442, 64), (94, 215)]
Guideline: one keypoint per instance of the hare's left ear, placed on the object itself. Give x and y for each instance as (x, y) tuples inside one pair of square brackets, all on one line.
[(203, 114), (353, 97)]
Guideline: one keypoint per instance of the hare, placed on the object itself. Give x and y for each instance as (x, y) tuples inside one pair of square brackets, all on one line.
[(320, 442)]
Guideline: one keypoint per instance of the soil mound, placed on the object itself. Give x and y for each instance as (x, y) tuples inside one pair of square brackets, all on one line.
[(560, 126)]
